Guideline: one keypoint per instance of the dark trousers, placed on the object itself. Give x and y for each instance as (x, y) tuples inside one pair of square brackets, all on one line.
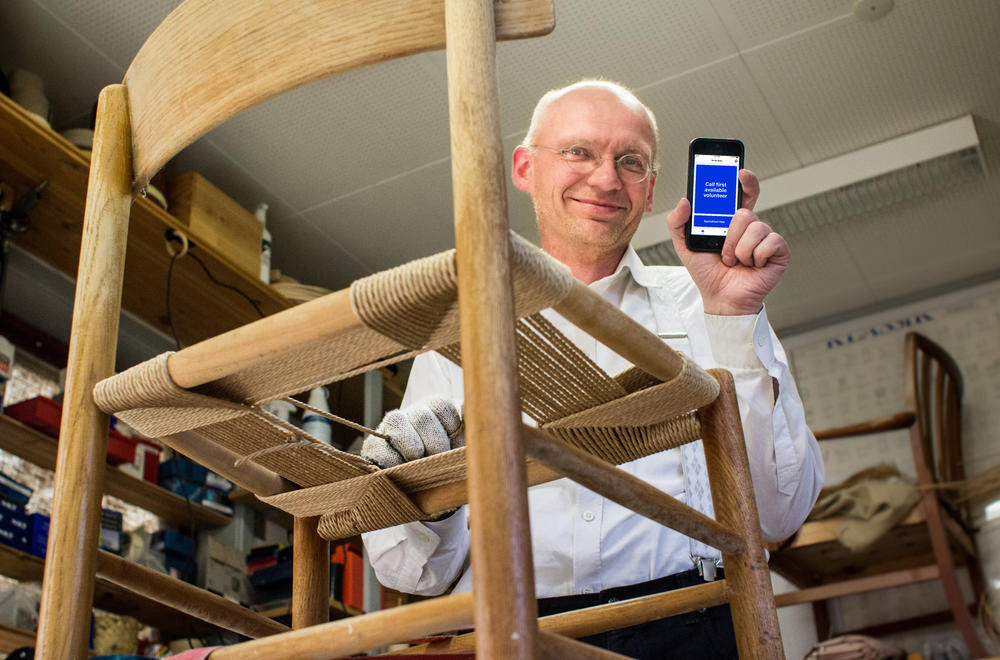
[(704, 633)]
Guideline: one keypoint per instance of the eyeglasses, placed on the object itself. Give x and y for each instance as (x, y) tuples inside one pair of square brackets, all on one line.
[(631, 168)]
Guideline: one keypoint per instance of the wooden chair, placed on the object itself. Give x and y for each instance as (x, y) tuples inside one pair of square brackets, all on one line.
[(926, 545), (177, 88)]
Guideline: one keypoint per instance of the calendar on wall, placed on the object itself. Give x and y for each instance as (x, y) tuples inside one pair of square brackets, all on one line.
[(853, 371)]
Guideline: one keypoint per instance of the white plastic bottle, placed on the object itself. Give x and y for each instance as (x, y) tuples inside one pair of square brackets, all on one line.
[(318, 426), (265, 244)]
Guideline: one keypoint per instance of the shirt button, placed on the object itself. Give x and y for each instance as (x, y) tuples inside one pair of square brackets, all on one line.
[(586, 590), (588, 515), (760, 340)]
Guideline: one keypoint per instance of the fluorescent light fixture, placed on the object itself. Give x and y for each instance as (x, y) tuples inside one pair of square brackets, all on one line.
[(868, 180)]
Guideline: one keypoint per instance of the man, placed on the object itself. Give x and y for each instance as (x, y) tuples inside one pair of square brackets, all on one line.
[(587, 162)]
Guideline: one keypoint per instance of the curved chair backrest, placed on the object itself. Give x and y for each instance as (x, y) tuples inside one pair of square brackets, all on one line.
[(209, 60), (934, 394)]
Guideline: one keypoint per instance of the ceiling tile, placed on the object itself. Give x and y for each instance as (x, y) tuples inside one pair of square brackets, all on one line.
[(754, 23), (719, 100), (634, 43), (392, 222), (821, 281), (116, 29), (849, 83), (312, 256), (339, 135), (926, 243), (74, 73)]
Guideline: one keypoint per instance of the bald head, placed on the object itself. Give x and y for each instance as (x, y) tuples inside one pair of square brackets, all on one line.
[(586, 88)]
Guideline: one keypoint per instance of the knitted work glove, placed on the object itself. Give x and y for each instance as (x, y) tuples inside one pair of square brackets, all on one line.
[(429, 427)]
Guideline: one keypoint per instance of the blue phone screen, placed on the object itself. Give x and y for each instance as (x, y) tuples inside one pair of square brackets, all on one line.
[(714, 197)]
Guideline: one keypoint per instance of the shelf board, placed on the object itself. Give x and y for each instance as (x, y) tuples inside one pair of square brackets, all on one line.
[(30, 153), (40, 449), (12, 638), (107, 596)]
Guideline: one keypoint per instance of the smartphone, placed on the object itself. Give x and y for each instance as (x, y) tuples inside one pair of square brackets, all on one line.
[(714, 191)]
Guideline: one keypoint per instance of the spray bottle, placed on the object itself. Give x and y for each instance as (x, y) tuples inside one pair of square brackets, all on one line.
[(318, 426)]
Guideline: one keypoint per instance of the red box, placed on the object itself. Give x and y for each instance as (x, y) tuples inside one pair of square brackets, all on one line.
[(147, 459), (121, 449), (40, 413), (353, 591)]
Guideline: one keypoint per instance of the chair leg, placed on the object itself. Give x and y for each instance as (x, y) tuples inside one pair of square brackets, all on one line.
[(310, 575), (821, 616), (68, 583), (949, 580), (748, 578), (503, 575)]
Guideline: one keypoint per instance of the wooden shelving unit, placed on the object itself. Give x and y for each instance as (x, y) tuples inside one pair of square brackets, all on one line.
[(31, 153), (40, 449), (107, 596)]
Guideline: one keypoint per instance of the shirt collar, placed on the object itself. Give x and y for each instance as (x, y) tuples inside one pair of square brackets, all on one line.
[(630, 265)]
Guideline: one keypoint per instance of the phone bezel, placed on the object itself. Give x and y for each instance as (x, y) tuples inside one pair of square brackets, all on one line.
[(712, 147)]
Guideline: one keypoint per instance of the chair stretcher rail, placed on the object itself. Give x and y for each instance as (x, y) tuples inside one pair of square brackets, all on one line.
[(628, 491), (184, 597)]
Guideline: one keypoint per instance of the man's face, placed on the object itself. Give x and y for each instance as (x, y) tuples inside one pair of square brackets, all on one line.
[(593, 213)]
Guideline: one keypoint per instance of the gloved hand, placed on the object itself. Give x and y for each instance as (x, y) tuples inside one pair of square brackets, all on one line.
[(429, 427)]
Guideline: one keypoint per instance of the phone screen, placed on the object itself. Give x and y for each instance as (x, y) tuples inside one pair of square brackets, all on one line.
[(714, 198)]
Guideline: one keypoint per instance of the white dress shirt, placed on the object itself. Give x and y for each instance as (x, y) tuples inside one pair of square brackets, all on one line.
[(584, 543)]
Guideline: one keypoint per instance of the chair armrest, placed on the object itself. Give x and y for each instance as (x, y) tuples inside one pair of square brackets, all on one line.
[(899, 420)]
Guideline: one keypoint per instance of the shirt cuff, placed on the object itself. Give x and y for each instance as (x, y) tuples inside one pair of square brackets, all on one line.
[(740, 342)]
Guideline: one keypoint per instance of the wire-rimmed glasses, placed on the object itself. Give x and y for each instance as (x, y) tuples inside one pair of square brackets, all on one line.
[(631, 168)]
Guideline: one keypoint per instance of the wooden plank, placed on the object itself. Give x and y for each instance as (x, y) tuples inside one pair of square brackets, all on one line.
[(500, 545), (30, 153), (40, 449), (12, 638), (602, 618), (859, 585), (114, 598), (822, 531), (68, 584), (893, 422), (183, 597), (359, 634)]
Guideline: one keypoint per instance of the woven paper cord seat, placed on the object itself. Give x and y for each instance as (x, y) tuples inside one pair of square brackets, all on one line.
[(407, 310)]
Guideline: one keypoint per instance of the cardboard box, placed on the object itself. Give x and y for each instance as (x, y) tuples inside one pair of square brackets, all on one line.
[(215, 221), (222, 569)]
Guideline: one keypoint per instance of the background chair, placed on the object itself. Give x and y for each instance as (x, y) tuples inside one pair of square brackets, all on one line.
[(932, 540)]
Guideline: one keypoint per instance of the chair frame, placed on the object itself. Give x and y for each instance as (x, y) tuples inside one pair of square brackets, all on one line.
[(124, 157), (932, 416)]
